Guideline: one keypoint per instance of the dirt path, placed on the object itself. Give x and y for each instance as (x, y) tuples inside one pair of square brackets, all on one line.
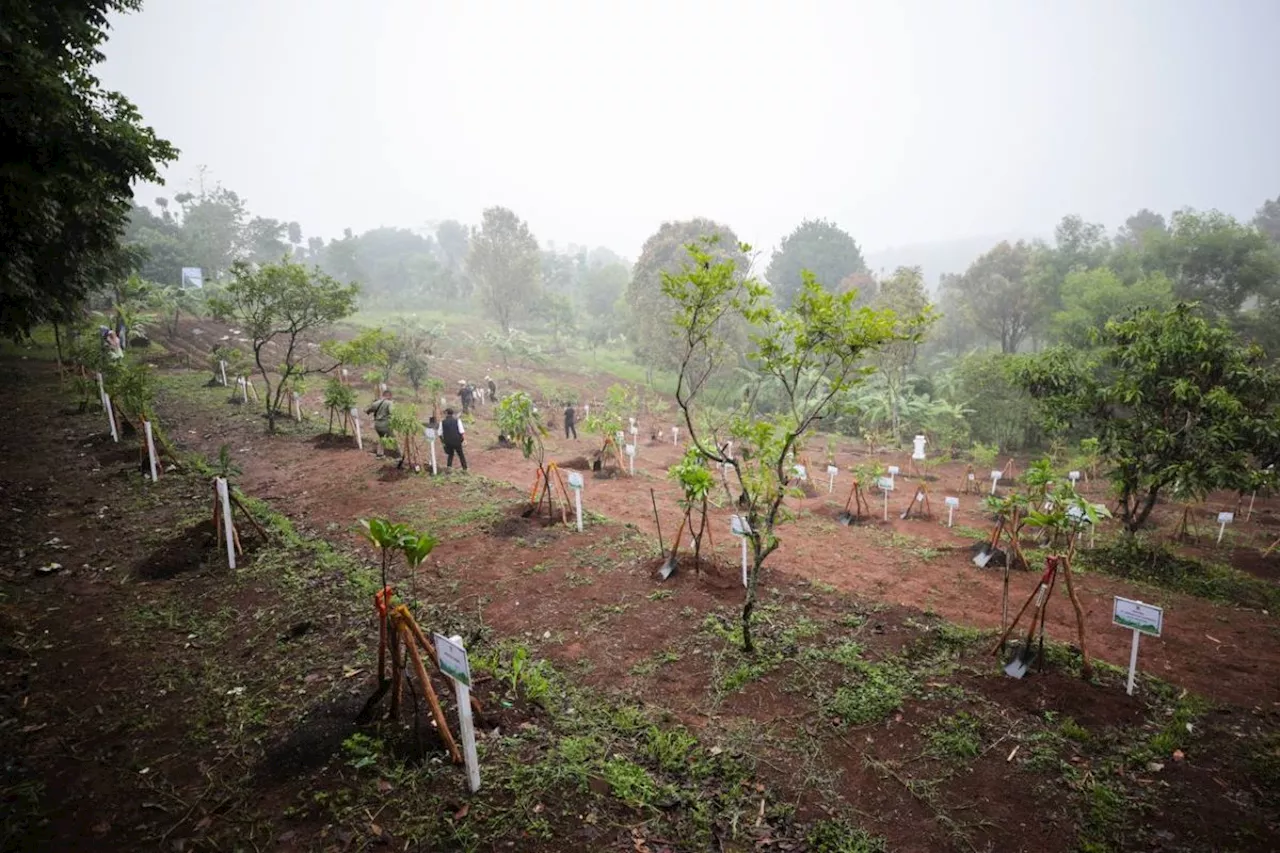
[(1225, 653)]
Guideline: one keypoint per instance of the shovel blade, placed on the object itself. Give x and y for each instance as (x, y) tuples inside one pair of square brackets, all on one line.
[(845, 518), (1016, 668), (983, 557), (668, 568)]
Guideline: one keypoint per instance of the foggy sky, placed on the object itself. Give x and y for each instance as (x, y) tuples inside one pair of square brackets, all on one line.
[(904, 122)]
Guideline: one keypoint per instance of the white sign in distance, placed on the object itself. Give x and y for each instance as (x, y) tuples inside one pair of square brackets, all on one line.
[(832, 470), (802, 472), (971, 477), (431, 434), (885, 483), (631, 450), (1137, 616), (1226, 517), (894, 470), (192, 277), (575, 480), (952, 501), (996, 474), (453, 660), (917, 451), (1073, 475)]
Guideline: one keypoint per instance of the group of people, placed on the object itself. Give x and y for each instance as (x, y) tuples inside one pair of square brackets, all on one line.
[(451, 429), (469, 395)]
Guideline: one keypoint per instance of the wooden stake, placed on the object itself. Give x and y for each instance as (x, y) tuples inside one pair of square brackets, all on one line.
[(429, 692)]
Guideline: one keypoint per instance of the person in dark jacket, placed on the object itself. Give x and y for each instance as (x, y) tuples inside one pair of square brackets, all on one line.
[(493, 390), (452, 434), (570, 422)]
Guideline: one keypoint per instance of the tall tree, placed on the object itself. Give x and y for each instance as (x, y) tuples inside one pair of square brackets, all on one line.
[(1215, 260), (651, 309), (263, 240), (1267, 219), (72, 152), (903, 295), (1173, 399), (820, 247), (1092, 297), (504, 265), (295, 234), (212, 229), (1001, 297), (1139, 225), (454, 240)]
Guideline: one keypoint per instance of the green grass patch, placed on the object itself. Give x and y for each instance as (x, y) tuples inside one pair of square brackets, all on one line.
[(1136, 559)]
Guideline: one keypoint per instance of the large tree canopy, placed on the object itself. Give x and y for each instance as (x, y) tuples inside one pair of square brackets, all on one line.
[(1175, 402), (1000, 295), (504, 265), (666, 252), (820, 247), (72, 151)]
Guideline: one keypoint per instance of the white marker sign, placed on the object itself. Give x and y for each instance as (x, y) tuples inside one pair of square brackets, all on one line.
[(151, 449), (1224, 518), (951, 503), (831, 478), (995, 478), (355, 418), (454, 663), (917, 451), (886, 484), (228, 531), (738, 527), (1073, 476), (675, 435), (575, 483), (1141, 619), (802, 473)]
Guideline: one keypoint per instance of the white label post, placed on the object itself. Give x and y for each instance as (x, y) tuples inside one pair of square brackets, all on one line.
[(430, 435), (355, 418), (297, 406), (803, 473), (831, 478), (575, 483), (917, 450), (1141, 619), (894, 471), (453, 663), (1224, 518), (228, 531), (952, 503), (886, 486), (995, 478), (738, 527), (631, 458), (111, 416), (1074, 477), (222, 368), (675, 435), (151, 449)]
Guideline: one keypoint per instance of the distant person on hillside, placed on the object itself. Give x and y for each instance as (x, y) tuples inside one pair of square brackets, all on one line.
[(493, 389), (570, 422), (112, 341), (381, 411), (452, 434), (465, 396)]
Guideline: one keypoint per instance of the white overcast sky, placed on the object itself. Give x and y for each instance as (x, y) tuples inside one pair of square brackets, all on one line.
[(904, 122)]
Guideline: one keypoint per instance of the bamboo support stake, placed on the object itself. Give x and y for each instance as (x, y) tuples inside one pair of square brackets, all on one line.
[(397, 674), (1086, 668), (429, 692)]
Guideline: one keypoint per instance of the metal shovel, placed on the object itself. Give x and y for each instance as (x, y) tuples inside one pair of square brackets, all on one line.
[(1017, 667), (989, 549), (846, 517), (669, 567)]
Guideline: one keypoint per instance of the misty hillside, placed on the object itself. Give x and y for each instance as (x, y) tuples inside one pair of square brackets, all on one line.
[(939, 256)]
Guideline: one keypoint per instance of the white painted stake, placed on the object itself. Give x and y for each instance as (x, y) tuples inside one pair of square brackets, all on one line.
[(831, 478), (111, 416), (297, 406), (228, 531), (1252, 498), (744, 562), (1133, 661), (951, 511), (675, 434), (222, 367), (995, 478), (577, 507), (631, 457), (1224, 518), (468, 726), (430, 436), (886, 505), (151, 449), (355, 417), (102, 392)]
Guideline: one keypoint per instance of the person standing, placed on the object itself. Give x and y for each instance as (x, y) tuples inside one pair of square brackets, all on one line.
[(570, 422), (452, 435), (464, 396), (493, 389), (381, 411)]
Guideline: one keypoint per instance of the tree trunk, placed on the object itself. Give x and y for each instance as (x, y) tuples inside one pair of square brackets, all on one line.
[(748, 645), (1086, 668), (1137, 517)]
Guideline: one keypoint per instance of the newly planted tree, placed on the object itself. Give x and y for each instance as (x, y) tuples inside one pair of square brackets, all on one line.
[(815, 350), (282, 304), (696, 483), (339, 399)]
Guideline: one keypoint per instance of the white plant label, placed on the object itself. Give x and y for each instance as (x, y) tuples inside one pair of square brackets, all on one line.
[(355, 418), (885, 483), (633, 424), (952, 504), (631, 458), (1224, 518), (151, 450), (738, 527), (111, 416), (228, 531), (917, 451), (575, 480), (430, 435), (831, 478), (1141, 619), (675, 435), (454, 663), (802, 473), (894, 470), (971, 477), (576, 483), (1073, 476), (995, 479), (631, 450), (634, 432)]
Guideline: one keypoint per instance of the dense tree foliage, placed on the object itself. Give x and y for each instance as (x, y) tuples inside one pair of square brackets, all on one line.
[(504, 266), (665, 252), (820, 247), (1175, 402), (72, 151)]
